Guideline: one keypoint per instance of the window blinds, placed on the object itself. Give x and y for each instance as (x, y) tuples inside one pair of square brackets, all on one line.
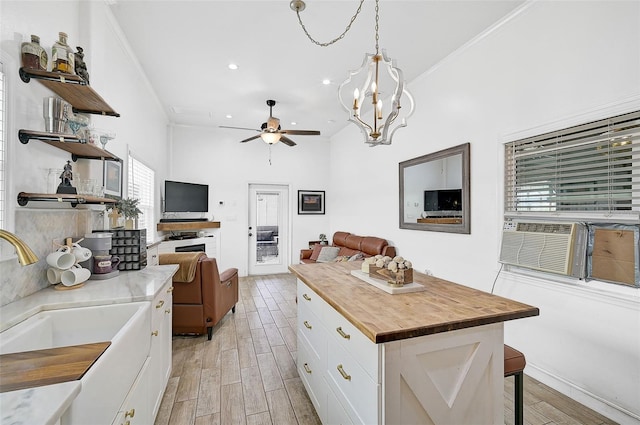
[(141, 184), (589, 167)]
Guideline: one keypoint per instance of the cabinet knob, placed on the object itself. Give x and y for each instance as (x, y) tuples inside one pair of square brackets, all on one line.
[(343, 373), (307, 325), (168, 311), (170, 290), (154, 333), (160, 304), (130, 413), (306, 297), (306, 368), (342, 334)]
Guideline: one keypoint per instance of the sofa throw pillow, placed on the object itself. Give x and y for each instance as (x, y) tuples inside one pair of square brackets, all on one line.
[(356, 257), (316, 251), (327, 254), (341, 259)]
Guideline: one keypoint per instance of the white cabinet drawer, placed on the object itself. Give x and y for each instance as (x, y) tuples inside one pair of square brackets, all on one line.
[(311, 329), (309, 299), (352, 385), (336, 415), (353, 341), (310, 369)]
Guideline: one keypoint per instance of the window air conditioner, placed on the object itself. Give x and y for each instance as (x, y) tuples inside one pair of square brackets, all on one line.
[(550, 247)]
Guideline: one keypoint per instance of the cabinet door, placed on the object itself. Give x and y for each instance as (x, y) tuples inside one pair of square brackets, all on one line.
[(136, 408), (160, 345)]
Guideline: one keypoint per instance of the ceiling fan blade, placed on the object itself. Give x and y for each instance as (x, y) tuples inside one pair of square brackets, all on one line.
[(238, 128), (301, 132), (287, 141), (249, 139)]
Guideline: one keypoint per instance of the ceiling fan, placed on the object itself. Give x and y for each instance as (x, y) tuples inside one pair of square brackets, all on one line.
[(271, 131)]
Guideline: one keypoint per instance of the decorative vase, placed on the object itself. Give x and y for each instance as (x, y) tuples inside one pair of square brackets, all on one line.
[(114, 215)]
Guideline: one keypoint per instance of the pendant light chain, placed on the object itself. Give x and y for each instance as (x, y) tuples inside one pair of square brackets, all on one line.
[(377, 27), (341, 36)]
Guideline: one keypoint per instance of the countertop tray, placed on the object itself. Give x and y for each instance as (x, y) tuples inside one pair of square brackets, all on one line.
[(381, 284)]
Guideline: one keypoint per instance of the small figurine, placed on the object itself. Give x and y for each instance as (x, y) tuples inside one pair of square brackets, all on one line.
[(80, 66), (65, 180)]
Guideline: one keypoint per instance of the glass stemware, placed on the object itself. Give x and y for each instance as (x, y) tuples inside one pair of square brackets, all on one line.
[(77, 122), (105, 137)]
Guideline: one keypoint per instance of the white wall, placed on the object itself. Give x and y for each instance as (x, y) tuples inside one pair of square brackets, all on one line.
[(142, 126), (215, 157), (550, 63)]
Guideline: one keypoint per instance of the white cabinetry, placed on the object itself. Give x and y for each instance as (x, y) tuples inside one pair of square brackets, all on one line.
[(210, 243), (451, 377), (336, 362), (136, 409), (160, 367)]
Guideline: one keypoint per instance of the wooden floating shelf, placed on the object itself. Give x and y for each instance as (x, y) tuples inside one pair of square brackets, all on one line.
[(24, 198), (71, 88), (188, 225), (69, 143)]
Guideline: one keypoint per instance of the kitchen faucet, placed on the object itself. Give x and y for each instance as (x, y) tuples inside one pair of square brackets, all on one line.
[(25, 254)]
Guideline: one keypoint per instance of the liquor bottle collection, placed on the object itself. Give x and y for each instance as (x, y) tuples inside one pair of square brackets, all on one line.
[(63, 58)]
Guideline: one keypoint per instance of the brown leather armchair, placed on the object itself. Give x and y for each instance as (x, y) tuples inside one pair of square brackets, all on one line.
[(199, 304)]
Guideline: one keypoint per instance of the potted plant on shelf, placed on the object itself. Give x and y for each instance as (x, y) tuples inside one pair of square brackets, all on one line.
[(323, 239)]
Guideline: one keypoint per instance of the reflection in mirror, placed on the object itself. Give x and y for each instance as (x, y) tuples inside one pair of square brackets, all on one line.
[(434, 191)]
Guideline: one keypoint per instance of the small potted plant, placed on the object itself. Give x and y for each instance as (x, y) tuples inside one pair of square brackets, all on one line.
[(128, 207), (323, 239)]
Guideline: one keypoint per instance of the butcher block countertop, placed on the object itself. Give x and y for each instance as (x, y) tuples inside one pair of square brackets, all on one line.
[(444, 306), (49, 366)]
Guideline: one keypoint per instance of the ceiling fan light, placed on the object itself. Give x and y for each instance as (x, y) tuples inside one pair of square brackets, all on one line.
[(270, 138)]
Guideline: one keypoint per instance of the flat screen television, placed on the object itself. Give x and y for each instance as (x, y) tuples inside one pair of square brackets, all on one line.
[(185, 197), (443, 200)]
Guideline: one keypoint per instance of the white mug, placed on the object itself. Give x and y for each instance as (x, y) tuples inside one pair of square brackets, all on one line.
[(75, 275), (54, 275), (61, 259), (81, 253)]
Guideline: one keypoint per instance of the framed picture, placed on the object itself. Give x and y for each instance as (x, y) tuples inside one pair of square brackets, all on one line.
[(311, 202), (112, 178)]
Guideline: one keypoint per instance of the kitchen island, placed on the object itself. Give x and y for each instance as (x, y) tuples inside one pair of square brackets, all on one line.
[(430, 357)]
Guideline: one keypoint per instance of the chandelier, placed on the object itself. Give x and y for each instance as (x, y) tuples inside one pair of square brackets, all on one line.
[(378, 84)]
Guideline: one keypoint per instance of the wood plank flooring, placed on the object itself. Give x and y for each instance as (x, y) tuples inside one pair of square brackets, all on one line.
[(247, 374)]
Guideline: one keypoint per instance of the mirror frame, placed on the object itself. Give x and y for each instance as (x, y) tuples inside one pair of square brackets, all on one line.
[(465, 226)]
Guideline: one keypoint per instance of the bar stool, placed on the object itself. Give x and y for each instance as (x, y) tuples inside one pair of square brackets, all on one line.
[(514, 363)]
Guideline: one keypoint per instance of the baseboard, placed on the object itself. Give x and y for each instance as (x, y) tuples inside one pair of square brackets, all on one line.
[(582, 396)]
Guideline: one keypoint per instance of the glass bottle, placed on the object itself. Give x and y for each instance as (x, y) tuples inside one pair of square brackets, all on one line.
[(33, 55), (62, 59)]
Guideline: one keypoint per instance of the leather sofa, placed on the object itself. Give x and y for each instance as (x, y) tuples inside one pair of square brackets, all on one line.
[(350, 245), (199, 304)]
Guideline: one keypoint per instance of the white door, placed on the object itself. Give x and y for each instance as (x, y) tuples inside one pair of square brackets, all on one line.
[(268, 229)]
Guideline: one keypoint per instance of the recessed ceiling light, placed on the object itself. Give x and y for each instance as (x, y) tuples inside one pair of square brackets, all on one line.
[(326, 81), (294, 123), (229, 116), (233, 66), (331, 121)]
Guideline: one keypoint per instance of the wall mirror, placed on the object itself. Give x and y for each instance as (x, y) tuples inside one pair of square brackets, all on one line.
[(434, 191)]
